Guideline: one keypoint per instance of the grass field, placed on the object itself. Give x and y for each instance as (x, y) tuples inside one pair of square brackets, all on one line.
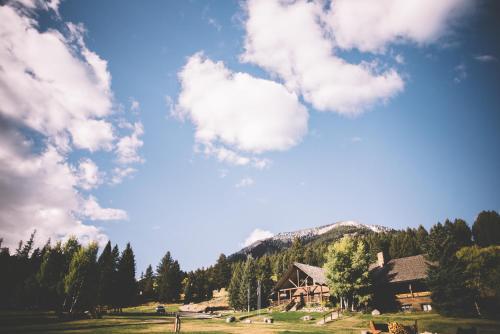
[(133, 322)]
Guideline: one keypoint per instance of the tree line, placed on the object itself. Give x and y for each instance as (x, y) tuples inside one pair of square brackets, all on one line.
[(68, 276)]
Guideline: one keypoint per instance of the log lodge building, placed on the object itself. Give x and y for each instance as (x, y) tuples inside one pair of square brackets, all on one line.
[(398, 284)]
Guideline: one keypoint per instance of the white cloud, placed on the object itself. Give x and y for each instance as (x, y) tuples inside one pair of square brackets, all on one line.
[(134, 105), (399, 59), (93, 211), (460, 73), (302, 54), (257, 235), (55, 96), (485, 58), (371, 25), (128, 146), (356, 139), (237, 115), (38, 192), (88, 174), (245, 182), (49, 86), (120, 173), (214, 23)]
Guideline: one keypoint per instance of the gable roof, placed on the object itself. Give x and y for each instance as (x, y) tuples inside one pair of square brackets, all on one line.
[(316, 273), (403, 269)]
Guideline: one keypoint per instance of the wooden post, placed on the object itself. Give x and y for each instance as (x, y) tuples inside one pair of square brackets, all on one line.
[(279, 293)]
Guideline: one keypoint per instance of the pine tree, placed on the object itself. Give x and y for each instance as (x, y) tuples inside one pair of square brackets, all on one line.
[(248, 288), (486, 229), (222, 272), (169, 278), (107, 271), (126, 277), (234, 287), (148, 284), (265, 278), (50, 278), (115, 298)]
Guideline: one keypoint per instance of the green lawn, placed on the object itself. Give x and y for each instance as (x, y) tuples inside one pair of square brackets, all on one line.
[(133, 322)]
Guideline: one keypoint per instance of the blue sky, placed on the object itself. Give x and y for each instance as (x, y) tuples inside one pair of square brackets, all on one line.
[(417, 146)]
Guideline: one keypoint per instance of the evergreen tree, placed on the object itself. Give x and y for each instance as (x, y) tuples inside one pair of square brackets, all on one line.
[(446, 277), (51, 278), (148, 284), (169, 278), (222, 272), (115, 298), (234, 287), (107, 272), (265, 278), (296, 252), (248, 286), (482, 272), (126, 277), (486, 229), (188, 284)]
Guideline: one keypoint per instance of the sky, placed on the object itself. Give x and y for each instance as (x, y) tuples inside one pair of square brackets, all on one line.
[(200, 126)]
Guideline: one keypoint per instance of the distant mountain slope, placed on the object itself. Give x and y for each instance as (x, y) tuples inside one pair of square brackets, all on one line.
[(325, 233)]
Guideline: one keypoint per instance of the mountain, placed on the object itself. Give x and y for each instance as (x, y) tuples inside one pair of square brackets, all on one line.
[(325, 233)]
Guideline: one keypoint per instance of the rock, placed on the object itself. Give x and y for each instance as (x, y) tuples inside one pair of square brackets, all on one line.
[(268, 320), (375, 312), (247, 321), (307, 318), (230, 319)]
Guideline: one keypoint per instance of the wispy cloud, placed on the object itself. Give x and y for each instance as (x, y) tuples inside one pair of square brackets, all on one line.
[(485, 58), (460, 73), (245, 182)]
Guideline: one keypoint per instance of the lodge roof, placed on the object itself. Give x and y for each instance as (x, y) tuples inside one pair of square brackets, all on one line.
[(401, 270), (316, 273)]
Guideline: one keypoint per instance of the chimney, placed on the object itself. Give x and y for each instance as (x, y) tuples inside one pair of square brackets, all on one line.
[(380, 259)]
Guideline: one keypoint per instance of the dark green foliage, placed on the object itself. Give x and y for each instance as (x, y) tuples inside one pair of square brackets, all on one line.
[(107, 277), (50, 278), (234, 288), (147, 284), (447, 279), (221, 272), (64, 277), (169, 279), (126, 278), (486, 229)]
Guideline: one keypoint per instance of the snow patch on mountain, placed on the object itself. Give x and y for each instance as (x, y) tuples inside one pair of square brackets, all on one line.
[(310, 233)]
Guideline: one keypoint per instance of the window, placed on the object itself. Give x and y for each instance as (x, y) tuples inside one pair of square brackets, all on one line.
[(426, 307), (406, 307)]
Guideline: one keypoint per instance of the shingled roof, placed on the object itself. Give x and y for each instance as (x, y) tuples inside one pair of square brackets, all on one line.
[(403, 269), (316, 273)]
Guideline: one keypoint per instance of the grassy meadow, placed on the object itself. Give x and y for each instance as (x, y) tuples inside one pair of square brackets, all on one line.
[(131, 321)]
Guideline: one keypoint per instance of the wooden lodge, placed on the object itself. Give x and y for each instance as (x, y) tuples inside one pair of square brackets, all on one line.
[(401, 283), (398, 284), (301, 283)]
